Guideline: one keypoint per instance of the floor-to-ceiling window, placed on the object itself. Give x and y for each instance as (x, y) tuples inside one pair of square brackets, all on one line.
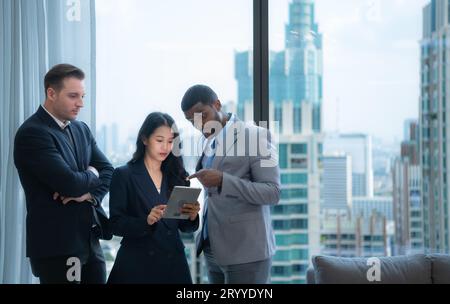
[(342, 100), (149, 53), (363, 170), (344, 82)]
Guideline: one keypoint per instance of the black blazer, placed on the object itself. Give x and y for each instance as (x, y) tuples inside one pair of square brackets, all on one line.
[(47, 163), (149, 254)]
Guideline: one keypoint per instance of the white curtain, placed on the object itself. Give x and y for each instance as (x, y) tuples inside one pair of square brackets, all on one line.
[(34, 36)]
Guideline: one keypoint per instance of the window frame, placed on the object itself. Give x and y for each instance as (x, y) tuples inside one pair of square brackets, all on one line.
[(261, 62)]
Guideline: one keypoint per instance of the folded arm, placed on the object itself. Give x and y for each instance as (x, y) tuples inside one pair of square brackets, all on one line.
[(104, 168), (36, 152)]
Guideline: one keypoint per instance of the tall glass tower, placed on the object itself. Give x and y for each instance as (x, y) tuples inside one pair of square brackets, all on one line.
[(435, 125)]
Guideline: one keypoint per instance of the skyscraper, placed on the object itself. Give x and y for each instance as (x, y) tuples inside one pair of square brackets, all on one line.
[(434, 123), (365, 206), (359, 147), (407, 206), (357, 236), (295, 75), (337, 182), (407, 128), (295, 103)]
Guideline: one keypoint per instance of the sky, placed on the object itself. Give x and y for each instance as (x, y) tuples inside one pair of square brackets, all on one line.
[(149, 52)]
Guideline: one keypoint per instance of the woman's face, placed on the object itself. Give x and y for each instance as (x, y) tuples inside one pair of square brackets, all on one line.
[(159, 145)]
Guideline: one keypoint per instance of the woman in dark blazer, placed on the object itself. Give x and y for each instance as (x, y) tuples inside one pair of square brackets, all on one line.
[(151, 251)]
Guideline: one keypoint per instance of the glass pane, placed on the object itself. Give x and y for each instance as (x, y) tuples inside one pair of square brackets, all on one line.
[(345, 78), (149, 52)]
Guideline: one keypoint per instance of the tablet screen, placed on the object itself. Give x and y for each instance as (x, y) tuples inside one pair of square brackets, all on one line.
[(179, 197)]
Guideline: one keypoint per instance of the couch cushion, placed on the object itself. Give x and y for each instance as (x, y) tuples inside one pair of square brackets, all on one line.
[(393, 270), (440, 268)]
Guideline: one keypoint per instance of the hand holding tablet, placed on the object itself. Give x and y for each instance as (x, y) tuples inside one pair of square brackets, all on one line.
[(179, 197)]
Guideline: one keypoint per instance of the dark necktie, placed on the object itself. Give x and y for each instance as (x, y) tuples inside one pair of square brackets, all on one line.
[(68, 133)]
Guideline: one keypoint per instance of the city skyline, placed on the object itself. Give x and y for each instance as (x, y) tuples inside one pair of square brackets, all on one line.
[(359, 129), (301, 221), (392, 27)]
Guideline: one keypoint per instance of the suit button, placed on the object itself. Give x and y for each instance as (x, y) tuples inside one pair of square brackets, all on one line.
[(151, 253)]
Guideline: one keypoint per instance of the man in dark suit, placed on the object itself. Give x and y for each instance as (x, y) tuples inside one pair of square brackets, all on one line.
[(65, 177)]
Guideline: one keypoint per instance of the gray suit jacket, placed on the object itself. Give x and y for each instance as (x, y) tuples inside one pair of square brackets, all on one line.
[(239, 222)]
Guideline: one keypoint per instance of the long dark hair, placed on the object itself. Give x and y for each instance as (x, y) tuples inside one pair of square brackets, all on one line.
[(173, 166)]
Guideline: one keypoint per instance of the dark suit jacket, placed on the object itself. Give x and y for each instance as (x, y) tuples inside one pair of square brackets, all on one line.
[(47, 163), (149, 254)]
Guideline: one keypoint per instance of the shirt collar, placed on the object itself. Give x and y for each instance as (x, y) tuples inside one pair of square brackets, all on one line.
[(61, 124), (219, 138)]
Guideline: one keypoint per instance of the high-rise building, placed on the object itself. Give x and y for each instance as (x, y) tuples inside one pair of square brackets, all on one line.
[(365, 206), (295, 103), (101, 138), (359, 147), (345, 236), (407, 207), (296, 219), (295, 75), (434, 124), (337, 182), (408, 129), (108, 140), (114, 145)]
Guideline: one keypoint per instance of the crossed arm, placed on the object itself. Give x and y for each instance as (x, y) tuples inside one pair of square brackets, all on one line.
[(35, 152)]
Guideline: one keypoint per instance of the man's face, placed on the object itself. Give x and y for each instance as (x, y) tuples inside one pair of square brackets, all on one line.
[(205, 118), (67, 102)]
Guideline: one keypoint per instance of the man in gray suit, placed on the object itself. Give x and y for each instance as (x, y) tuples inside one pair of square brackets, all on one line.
[(240, 173)]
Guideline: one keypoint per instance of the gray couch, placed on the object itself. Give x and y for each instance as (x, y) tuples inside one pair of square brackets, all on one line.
[(414, 269)]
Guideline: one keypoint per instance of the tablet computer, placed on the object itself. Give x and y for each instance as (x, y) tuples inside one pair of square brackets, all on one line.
[(179, 197)]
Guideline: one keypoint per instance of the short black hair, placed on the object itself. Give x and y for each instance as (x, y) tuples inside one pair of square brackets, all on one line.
[(55, 77), (198, 94)]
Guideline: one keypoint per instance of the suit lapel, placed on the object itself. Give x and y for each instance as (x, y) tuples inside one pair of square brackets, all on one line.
[(59, 133), (77, 145), (228, 149), (199, 164), (68, 147), (145, 184), (219, 159), (147, 188)]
